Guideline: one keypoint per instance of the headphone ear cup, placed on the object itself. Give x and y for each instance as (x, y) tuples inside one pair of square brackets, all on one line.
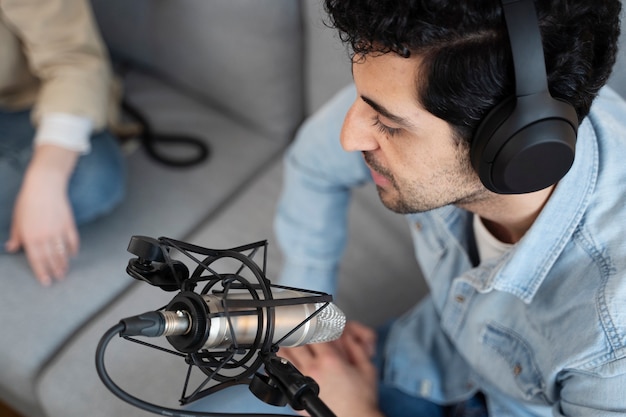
[(481, 142), (525, 144)]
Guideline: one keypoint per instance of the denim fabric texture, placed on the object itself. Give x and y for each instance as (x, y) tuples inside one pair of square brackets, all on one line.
[(540, 331), (393, 402), (97, 184)]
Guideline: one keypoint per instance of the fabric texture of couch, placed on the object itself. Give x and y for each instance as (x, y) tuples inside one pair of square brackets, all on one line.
[(242, 75)]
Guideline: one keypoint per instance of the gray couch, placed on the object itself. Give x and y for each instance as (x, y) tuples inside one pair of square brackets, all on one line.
[(242, 75)]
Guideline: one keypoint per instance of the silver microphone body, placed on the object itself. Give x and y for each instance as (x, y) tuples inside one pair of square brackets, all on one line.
[(240, 322)]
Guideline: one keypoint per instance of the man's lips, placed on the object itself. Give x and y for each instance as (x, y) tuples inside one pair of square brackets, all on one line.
[(379, 179)]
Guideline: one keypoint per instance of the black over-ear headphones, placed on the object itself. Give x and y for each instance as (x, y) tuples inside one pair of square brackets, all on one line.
[(527, 142)]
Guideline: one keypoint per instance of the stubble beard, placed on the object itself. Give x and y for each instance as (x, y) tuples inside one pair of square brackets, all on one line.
[(419, 198)]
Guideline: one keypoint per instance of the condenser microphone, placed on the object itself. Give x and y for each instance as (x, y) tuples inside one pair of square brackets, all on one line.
[(230, 328), (193, 321)]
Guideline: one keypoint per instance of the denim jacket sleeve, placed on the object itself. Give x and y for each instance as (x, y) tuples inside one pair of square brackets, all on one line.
[(311, 219), (594, 392)]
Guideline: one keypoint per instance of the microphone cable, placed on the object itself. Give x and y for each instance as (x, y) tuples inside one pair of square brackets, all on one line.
[(144, 405)]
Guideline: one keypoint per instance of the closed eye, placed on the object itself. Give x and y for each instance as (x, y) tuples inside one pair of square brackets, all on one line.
[(384, 129)]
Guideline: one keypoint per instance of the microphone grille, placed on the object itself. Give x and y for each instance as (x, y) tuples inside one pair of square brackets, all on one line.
[(330, 324)]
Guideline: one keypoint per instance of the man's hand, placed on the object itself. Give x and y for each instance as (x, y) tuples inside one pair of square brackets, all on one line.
[(43, 222), (343, 370)]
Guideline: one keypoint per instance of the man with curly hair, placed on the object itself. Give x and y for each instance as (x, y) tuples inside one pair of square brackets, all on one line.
[(526, 314)]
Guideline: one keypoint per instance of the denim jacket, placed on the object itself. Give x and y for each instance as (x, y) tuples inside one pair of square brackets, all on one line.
[(541, 330)]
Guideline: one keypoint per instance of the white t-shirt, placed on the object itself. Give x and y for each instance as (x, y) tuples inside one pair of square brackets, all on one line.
[(488, 246)]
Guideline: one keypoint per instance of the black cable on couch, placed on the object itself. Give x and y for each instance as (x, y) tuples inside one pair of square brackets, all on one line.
[(151, 141)]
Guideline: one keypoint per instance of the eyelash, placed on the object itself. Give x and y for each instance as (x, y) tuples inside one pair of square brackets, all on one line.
[(383, 128)]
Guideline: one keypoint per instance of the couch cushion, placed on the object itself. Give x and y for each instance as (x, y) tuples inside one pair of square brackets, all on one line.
[(160, 201), (326, 58), (244, 56)]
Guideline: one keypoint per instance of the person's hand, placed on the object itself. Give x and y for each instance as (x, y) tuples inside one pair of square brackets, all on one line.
[(343, 369), (43, 223)]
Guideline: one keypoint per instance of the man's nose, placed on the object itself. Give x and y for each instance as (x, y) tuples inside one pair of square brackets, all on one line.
[(357, 132)]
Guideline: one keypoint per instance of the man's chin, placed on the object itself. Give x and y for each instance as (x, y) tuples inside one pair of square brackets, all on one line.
[(391, 201)]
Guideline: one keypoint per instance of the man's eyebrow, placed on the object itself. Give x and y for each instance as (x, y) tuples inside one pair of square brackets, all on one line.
[(386, 113)]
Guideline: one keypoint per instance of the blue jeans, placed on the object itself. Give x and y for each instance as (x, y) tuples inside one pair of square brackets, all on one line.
[(392, 402), (96, 186)]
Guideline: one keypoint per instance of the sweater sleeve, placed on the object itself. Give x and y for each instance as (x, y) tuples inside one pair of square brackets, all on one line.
[(66, 53)]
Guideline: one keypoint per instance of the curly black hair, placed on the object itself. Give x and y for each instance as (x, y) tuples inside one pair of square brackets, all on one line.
[(466, 63)]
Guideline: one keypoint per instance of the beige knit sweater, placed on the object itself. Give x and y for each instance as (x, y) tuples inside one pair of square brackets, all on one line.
[(53, 59)]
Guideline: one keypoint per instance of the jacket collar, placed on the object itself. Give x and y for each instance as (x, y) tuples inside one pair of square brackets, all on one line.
[(538, 250)]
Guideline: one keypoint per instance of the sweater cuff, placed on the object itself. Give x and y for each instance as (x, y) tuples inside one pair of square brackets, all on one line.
[(65, 130)]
